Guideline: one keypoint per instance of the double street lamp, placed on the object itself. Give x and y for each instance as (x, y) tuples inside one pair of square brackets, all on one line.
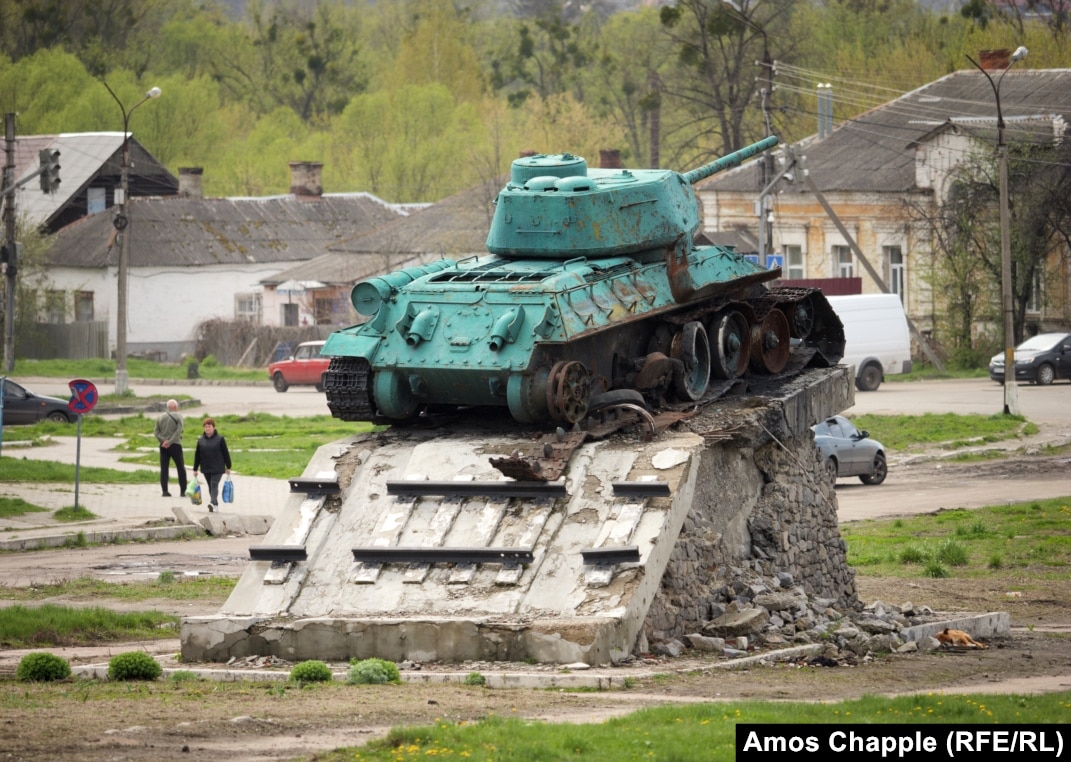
[(121, 221), (1011, 393)]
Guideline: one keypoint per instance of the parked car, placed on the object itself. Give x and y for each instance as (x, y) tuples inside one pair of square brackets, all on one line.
[(847, 451), (305, 367), (1040, 360), (21, 406)]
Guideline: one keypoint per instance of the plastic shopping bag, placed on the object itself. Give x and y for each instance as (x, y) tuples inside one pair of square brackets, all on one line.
[(228, 490), (193, 492)]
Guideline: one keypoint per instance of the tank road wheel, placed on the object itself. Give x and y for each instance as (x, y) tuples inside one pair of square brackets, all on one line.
[(390, 389), (732, 344), (527, 398), (691, 347), (770, 343), (568, 391), (801, 317)]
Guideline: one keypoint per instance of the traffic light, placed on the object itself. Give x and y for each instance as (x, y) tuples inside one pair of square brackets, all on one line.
[(50, 168)]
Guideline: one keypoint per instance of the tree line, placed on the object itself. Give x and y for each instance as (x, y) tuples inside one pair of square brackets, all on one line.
[(414, 100)]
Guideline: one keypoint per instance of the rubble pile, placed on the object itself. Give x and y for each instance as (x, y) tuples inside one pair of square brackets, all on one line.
[(751, 615)]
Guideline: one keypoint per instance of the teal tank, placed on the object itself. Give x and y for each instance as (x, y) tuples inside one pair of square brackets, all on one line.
[(593, 293)]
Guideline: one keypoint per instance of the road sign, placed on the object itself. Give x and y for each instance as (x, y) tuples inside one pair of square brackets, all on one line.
[(83, 396), (774, 260)]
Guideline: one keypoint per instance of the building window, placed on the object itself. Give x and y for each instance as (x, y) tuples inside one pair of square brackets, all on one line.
[(289, 314), (83, 306), (247, 307), (842, 257), (895, 257), (96, 200), (1033, 303), (794, 262), (325, 311), (56, 307)]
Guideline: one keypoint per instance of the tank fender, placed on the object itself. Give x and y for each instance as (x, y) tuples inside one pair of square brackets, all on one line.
[(345, 344), (506, 329)]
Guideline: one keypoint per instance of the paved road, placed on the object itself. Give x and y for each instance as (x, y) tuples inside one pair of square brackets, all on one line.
[(963, 396)]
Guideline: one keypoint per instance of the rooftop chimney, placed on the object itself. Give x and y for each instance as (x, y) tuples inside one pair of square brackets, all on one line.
[(189, 182), (610, 158), (995, 59), (305, 178)]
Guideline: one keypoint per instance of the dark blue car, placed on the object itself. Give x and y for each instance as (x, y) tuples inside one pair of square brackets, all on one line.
[(21, 406), (1039, 360)]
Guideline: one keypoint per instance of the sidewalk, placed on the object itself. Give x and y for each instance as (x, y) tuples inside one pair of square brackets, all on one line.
[(127, 511)]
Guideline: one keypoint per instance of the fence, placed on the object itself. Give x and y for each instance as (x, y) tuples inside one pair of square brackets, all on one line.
[(67, 341)]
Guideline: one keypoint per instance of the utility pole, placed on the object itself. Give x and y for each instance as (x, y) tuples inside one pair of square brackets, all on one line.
[(10, 264), (121, 223)]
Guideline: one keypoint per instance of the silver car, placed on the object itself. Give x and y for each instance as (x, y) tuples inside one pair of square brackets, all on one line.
[(847, 451)]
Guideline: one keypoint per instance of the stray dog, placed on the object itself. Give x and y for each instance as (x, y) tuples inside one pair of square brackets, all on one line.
[(958, 638)]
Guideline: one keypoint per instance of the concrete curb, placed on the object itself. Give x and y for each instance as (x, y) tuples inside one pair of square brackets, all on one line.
[(76, 537)]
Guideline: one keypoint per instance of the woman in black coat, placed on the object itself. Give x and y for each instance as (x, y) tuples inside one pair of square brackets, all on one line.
[(212, 456)]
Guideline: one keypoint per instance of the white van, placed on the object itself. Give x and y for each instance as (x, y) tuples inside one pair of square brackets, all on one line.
[(876, 338)]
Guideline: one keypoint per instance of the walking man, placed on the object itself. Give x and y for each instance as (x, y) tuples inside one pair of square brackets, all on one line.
[(168, 432)]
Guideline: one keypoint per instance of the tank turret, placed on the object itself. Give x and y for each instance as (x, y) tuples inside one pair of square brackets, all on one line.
[(593, 293)]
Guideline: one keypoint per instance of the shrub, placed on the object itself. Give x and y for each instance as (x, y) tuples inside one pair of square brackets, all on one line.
[(41, 667), (373, 672), (183, 676), (311, 671), (952, 553), (935, 569), (133, 665), (912, 554), (475, 678)]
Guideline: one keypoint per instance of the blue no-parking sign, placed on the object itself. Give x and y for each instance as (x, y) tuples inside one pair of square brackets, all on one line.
[(83, 396)]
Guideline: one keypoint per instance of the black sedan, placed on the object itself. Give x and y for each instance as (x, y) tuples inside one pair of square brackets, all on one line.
[(23, 406), (847, 451), (1039, 360)]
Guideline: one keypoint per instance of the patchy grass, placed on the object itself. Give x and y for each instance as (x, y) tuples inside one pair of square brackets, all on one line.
[(676, 732), (909, 433), (167, 586), (976, 543), (52, 625), (13, 507)]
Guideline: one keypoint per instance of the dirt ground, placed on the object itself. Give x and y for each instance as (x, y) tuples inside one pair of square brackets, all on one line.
[(248, 722)]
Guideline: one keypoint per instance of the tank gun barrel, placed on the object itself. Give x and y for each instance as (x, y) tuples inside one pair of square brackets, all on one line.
[(727, 162)]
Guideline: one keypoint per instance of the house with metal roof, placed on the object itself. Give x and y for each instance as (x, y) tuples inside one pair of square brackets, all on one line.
[(194, 259), (842, 206), (318, 291), (90, 169)]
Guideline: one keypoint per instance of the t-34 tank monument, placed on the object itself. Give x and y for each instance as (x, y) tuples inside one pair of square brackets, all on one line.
[(587, 427)]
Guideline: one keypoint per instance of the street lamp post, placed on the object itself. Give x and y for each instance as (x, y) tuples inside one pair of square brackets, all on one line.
[(1011, 390), (121, 223)]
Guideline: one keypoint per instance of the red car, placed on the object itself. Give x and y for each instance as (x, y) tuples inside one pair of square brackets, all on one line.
[(305, 367)]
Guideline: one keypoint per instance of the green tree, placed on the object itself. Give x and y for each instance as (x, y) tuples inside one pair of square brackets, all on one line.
[(543, 55), (407, 144), (437, 50), (103, 34), (720, 77), (307, 59), (624, 82), (48, 91)]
